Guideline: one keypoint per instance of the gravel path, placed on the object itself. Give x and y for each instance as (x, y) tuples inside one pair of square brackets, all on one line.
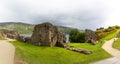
[(114, 52), (7, 51), (108, 47)]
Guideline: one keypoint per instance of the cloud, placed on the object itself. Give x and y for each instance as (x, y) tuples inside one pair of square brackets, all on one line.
[(72, 13), (113, 17)]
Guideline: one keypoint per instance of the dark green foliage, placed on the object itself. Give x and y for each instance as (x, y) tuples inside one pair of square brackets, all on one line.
[(81, 37), (76, 36)]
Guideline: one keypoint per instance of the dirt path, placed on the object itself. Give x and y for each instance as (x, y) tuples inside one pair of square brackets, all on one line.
[(114, 52), (108, 47), (7, 51)]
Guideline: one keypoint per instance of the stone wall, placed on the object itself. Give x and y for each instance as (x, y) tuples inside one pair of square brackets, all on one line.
[(90, 36), (13, 34), (48, 35)]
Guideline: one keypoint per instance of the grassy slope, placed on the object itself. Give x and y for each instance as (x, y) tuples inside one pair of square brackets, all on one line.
[(110, 36), (116, 44), (56, 55)]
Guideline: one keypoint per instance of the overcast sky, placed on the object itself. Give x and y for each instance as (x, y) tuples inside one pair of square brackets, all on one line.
[(80, 14)]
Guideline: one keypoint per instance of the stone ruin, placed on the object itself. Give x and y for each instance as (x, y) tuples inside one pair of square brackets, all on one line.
[(48, 35), (13, 34), (90, 36), (44, 34), (118, 36)]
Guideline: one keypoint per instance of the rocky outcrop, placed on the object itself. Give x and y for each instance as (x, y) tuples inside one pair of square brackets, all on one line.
[(13, 34), (48, 35), (90, 36)]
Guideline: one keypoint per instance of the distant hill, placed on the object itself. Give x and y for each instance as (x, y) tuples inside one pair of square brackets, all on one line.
[(25, 28), (7, 23), (65, 30), (21, 27)]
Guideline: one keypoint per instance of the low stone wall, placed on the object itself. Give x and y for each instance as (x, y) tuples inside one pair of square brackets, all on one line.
[(13, 34), (79, 50)]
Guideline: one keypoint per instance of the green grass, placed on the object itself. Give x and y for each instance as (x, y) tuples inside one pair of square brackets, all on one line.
[(56, 55), (111, 35), (116, 44)]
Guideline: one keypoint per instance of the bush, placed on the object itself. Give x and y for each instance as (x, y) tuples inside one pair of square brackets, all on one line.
[(81, 37), (76, 36)]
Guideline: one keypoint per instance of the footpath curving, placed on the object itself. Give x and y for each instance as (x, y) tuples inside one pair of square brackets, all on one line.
[(7, 51), (114, 52)]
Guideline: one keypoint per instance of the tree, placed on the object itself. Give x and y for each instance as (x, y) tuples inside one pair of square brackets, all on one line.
[(72, 35), (81, 37), (76, 36)]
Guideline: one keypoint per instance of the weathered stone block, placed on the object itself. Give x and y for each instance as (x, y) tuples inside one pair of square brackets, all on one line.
[(13, 34), (90, 36), (48, 35)]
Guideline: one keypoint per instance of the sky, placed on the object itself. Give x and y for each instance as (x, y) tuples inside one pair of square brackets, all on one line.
[(81, 14)]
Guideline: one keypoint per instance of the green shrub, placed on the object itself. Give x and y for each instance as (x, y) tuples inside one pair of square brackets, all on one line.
[(76, 36)]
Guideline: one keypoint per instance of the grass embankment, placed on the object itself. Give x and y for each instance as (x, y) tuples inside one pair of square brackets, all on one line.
[(111, 35), (56, 55), (116, 44)]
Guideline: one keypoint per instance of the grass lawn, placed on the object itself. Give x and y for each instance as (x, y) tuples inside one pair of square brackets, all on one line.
[(116, 44), (56, 55)]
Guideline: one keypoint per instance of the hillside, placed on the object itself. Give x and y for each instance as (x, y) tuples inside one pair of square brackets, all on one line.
[(21, 27), (103, 32), (25, 28)]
